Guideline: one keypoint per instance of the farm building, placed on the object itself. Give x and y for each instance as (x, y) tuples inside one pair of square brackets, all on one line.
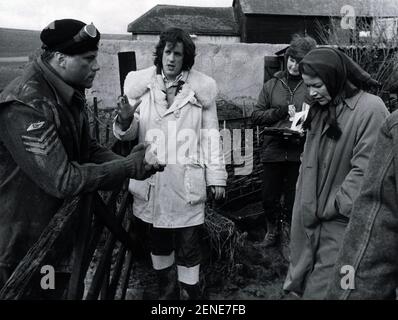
[(274, 21), (269, 21), (214, 25)]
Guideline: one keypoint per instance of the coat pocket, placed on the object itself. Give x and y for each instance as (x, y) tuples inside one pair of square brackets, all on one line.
[(195, 184), (140, 189), (331, 210)]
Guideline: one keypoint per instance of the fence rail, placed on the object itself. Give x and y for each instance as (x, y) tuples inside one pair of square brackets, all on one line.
[(88, 214)]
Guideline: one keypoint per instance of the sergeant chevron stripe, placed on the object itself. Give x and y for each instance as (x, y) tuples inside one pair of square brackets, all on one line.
[(42, 137), (43, 144)]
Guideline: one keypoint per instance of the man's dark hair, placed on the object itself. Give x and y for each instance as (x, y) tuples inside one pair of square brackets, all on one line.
[(174, 35)]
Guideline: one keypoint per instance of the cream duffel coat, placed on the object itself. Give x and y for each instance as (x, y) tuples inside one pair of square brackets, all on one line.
[(176, 197)]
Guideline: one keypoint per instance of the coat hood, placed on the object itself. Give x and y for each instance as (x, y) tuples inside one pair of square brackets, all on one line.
[(205, 87)]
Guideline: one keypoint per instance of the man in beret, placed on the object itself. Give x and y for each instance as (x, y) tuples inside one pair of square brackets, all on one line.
[(46, 152)]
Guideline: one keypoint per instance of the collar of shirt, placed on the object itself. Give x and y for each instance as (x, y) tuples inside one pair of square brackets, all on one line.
[(63, 90), (174, 83)]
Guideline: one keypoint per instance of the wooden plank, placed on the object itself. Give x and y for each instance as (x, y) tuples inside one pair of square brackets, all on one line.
[(97, 230), (111, 205), (45, 251), (101, 271), (112, 222), (126, 275), (80, 264), (118, 268), (105, 282), (117, 233), (110, 295)]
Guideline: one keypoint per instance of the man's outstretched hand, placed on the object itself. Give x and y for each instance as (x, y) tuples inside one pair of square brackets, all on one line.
[(139, 168), (125, 111)]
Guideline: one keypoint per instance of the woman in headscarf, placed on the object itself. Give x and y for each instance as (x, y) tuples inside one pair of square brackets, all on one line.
[(341, 126)]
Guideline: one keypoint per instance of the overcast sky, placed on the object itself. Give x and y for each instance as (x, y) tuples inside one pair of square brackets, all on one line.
[(110, 16)]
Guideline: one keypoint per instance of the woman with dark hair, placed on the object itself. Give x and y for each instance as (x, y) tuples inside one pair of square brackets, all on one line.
[(341, 126), (170, 103), (281, 97)]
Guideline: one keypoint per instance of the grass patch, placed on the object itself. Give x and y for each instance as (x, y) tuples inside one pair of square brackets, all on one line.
[(9, 71)]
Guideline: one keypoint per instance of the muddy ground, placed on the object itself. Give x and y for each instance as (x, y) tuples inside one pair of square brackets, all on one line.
[(259, 274), (237, 267)]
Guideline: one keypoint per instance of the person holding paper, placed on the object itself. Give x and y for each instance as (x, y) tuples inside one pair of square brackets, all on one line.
[(342, 126), (280, 99)]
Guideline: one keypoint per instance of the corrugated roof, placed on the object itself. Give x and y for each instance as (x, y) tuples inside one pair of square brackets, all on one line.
[(363, 8), (195, 20)]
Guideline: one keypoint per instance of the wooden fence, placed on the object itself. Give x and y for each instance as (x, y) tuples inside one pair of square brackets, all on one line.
[(77, 228), (93, 217)]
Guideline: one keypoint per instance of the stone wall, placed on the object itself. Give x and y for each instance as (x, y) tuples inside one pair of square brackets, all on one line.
[(237, 68)]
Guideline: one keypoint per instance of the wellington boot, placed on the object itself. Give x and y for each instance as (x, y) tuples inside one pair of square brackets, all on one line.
[(167, 282), (189, 292)]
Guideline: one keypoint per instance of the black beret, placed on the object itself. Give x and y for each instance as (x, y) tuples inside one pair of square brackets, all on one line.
[(70, 36)]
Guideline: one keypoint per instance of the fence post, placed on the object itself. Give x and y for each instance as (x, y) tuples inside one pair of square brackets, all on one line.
[(244, 114), (80, 265), (107, 134), (96, 125), (126, 64)]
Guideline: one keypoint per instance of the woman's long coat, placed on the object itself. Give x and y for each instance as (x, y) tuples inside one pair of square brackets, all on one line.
[(330, 179), (176, 197), (370, 245)]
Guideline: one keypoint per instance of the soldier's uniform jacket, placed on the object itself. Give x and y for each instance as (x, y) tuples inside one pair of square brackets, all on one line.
[(46, 155)]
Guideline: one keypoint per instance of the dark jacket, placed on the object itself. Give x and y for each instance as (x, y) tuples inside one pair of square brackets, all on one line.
[(271, 110), (46, 155), (370, 244)]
